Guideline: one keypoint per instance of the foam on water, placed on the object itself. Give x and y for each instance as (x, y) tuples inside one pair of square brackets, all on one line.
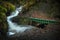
[(13, 27)]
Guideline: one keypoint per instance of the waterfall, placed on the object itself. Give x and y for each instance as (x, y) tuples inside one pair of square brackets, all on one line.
[(13, 26)]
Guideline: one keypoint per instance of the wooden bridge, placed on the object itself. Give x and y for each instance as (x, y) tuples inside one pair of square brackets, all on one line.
[(43, 21)]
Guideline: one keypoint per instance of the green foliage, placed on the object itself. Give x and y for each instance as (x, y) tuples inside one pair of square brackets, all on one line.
[(3, 22), (21, 20), (2, 9), (10, 7), (24, 20), (2, 15)]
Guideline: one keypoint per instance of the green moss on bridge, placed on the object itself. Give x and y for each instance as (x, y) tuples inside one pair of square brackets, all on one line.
[(43, 21)]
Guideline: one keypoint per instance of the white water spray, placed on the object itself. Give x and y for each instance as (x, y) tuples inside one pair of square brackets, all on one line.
[(13, 26)]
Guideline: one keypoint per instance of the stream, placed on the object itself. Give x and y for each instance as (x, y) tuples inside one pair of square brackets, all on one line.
[(14, 27)]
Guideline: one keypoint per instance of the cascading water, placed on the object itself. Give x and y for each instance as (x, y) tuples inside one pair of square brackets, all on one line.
[(13, 26)]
